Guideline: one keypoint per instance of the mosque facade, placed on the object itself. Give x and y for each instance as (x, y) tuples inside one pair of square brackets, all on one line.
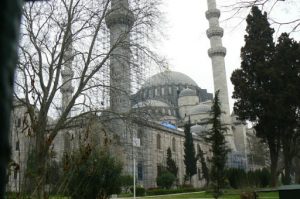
[(166, 101)]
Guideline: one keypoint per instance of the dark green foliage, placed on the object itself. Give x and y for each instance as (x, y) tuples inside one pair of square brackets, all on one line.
[(218, 147), (239, 178), (126, 182), (204, 168), (139, 191), (287, 80), (165, 180), (266, 88), (53, 174), (97, 177), (159, 191), (171, 165), (10, 18), (190, 159), (253, 91)]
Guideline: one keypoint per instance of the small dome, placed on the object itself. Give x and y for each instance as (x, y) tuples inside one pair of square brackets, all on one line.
[(187, 92), (198, 129), (201, 108), (150, 103), (169, 78)]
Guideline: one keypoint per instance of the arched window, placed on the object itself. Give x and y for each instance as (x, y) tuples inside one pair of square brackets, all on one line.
[(158, 141), (140, 171), (140, 136), (170, 90), (173, 144), (18, 145)]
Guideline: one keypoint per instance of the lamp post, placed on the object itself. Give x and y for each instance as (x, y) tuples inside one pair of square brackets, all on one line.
[(135, 143)]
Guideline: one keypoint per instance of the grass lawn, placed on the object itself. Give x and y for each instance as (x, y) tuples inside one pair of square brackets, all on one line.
[(228, 195), (231, 194)]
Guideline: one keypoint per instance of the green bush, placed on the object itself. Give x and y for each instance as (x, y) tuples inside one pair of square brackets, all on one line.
[(158, 191), (139, 191), (165, 180), (126, 182), (239, 178), (97, 177)]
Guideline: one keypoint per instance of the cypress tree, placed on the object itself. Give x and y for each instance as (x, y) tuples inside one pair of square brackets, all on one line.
[(219, 149), (171, 165), (204, 168), (190, 159)]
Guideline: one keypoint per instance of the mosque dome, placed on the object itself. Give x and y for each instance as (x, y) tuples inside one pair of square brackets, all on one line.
[(199, 109), (169, 77), (187, 92)]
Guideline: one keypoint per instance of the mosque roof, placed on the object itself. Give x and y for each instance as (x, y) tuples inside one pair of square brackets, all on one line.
[(169, 77), (200, 108), (187, 92), (198, 129), (150, 103)]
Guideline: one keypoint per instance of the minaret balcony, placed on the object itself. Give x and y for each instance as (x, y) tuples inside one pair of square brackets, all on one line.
[(212, 13), (67, 74), (217, 51), (216, 31), (119, 16), (67, 89)]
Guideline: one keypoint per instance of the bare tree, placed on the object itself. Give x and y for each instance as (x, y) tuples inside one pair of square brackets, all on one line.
[(290, 20), (60, 35)]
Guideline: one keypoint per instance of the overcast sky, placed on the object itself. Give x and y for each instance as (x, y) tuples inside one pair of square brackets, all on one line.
[(186, 43)]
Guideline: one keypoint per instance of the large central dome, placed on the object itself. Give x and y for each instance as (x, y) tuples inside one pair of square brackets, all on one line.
[(169, 77)]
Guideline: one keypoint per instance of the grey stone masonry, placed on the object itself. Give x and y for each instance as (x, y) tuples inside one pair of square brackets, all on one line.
[(119, 21), (217, 53), (67, 89)]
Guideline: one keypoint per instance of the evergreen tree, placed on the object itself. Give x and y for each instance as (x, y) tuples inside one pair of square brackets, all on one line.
[(286, 81), (204, 168), (190, 159), (267, 89), (171, 165), (252, 89), (219, 149)]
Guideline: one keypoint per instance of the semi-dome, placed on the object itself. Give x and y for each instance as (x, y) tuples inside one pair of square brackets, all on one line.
[(198, 129), (200, 108), (150, 103), (187, 92), (169, 77)]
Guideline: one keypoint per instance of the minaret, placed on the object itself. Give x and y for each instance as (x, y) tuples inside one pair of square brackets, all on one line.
[(217, 53), (119, 21), (67, 88)]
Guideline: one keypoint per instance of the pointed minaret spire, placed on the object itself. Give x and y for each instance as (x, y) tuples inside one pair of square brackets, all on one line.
[(217, 53)]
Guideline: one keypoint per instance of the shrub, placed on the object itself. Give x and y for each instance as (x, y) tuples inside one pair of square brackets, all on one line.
[(97, 177), (126, 182), (139, 191), (238, 178), (158, 191), (165, 180)]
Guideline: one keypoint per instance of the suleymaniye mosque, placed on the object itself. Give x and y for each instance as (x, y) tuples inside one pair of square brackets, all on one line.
[(152, 119)]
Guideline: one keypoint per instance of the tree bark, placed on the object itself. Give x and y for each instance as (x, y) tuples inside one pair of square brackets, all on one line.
[(274, 152)]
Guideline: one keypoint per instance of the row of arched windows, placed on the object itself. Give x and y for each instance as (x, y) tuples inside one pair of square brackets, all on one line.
[(158, 143)]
